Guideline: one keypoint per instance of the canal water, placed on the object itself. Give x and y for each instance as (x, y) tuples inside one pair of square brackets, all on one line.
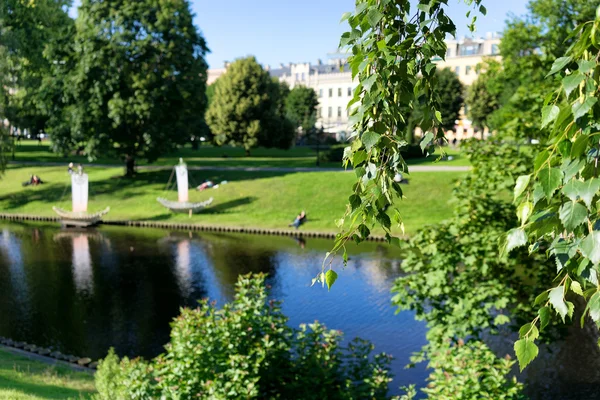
[(82, 292)]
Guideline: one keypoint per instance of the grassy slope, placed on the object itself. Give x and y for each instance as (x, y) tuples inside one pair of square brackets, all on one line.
[(220, 156), (258, 199), (24, 379)]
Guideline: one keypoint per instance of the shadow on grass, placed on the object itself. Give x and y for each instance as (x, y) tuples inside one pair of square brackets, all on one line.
[(121, 188), (222, 208)]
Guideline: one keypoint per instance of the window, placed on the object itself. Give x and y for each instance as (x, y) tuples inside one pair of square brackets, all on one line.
[(457, 70), (297, 76), (329, 111), (495, 49), (319, 112), (469, 50), (320, 92), (302, 76), (448, 53), (349, 92), (340, 111), (468, 70), (330, 92), (339, 92)]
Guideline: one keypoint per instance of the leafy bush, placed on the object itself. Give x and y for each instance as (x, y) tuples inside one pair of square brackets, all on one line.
[(246, 350), (334, 154), (471, 371)]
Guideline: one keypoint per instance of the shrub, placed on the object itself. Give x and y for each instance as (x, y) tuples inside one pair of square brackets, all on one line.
[(334, 154), (246, 350)]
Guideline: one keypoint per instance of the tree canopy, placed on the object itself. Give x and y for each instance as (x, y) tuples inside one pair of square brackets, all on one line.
[(301, 107), (248, 108), (450, 91), (134, 80)]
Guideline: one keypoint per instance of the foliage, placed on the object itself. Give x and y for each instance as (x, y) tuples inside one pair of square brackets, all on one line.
[(557, 201), (301, 107), (483, 96), (471, 371), (248, 108), (5, 148), (246, 350), (134, 79), (27, 28), (392, 51), (450, 92)]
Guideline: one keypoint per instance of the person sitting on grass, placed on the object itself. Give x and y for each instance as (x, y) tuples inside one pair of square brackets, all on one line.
[(300, 219), (33, 181)]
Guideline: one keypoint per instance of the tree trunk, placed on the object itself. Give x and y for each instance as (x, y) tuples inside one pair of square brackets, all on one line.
[(247, 152), (129, 166)]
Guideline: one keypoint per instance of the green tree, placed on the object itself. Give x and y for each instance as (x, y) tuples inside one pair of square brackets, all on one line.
[(483, 96), (301, 108), (26, 31), (450, 91), (135, 80), (247, 109)]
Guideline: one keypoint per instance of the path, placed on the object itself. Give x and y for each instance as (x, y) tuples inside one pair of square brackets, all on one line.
[(414, 168)]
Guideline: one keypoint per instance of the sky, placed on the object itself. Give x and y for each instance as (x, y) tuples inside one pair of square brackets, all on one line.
[(284, 31)]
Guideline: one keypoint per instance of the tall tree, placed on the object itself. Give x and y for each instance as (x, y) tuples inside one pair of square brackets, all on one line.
[(450, 91), (247, 109), (27, 28), (136, 80), (301, 108), (482, 97)]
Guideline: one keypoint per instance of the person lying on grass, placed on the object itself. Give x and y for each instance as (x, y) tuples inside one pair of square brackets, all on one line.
[(300, 219)]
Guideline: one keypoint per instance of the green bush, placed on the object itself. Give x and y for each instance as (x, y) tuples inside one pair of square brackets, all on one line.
[(246, 350), (334, 154)]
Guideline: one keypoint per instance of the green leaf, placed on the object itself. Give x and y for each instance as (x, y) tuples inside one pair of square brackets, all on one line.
[(559, 64), (424, 7), (542, 297), (579, 109), (345, 16), (526, 352), (550, 179), (370, 139), (572, 215), (529, 331), (501, 319), (541, 159), (544, 314), (524, 211), (426, 141), (354, 201), (594, 306), (374, 16), (556, 298), (576, 288), (570, 83), (549, 114), (586, 66), (579, 146), (515, 238), (330, 278), (587, 190), (364, 231), (521, 185), (359, 157), (590, 247)]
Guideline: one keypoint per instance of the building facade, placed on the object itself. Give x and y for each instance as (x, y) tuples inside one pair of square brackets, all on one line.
[(332, 81)]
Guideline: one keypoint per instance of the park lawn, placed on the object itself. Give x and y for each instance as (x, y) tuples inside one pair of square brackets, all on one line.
[(25, 379), (224, 156), (265, 199)]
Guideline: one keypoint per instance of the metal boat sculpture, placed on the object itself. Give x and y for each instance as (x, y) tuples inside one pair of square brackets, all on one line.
[(79, 215), (183, 205)]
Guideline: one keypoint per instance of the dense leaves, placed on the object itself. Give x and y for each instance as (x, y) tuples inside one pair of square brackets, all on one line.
[(564, 184), (248, 109), (245, 350), (133, 79)]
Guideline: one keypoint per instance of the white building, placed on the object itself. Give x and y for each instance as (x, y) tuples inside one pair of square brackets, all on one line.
[(332, 81)]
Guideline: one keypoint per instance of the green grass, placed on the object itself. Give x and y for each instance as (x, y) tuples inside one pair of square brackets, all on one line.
[(24, 379), (220, 157), (265, 199)]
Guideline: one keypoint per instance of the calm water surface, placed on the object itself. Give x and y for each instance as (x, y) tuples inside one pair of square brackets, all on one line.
[(82, 292)]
